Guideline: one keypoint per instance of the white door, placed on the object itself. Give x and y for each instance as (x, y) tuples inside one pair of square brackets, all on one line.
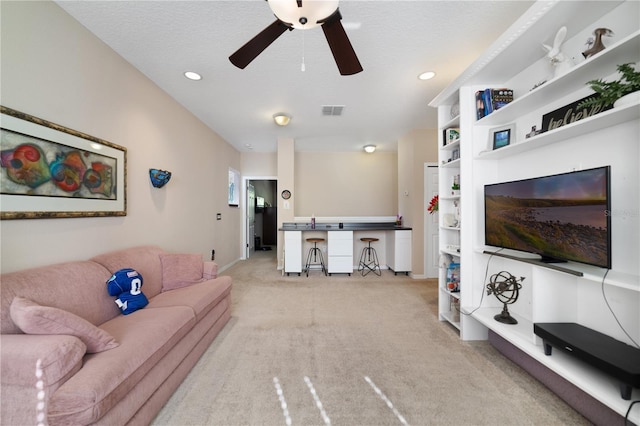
[(251, 219), (431, 246)]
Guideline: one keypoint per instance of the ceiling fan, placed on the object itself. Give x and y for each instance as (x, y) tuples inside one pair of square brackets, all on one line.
[(303, 15)]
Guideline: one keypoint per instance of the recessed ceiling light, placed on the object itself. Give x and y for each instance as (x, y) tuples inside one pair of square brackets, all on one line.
[(369, 148), (193, 75), (427, 75)]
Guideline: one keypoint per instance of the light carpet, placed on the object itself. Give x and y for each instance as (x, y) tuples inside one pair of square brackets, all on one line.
[(352, 350)]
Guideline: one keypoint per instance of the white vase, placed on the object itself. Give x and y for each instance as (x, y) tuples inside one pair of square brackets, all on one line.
[(628, 99)]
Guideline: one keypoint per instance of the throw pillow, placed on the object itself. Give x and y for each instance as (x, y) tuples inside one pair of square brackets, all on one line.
[(33, 318), (126, 279), (126, 283), (180, 270)]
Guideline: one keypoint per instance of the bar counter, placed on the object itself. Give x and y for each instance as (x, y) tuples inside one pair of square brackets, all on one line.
[(342, 246)]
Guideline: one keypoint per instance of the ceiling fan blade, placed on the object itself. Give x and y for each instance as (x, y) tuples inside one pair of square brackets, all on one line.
[(340, 45), (247, 53)]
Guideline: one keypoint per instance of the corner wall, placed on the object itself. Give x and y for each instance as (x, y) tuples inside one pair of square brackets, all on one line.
[(53, 68), (415, 149)]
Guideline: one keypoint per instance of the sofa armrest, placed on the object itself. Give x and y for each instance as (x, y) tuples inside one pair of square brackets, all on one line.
[(210, 270), (28, 359)]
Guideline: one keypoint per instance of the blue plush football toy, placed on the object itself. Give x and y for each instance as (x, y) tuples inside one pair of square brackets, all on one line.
[(127, 285), (129, 303), (123, 280)]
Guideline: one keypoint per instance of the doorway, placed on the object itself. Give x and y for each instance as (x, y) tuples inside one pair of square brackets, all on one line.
[(261, 228)]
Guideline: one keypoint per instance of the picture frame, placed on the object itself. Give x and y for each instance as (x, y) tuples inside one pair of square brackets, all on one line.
[(502, 136), (234, 188), (50, 171), (450, 135)]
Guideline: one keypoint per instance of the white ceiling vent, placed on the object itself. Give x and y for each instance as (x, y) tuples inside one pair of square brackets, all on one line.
[(332, 109)]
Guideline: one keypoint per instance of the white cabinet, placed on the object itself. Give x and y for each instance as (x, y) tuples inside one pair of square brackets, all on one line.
[(293, 252), (340, 252), (398, 251), (610, 138)]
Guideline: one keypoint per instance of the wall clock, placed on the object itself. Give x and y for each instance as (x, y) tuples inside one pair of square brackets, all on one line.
[(286, 194)]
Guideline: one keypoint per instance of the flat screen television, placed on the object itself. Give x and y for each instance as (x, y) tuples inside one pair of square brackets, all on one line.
[(563, 217)]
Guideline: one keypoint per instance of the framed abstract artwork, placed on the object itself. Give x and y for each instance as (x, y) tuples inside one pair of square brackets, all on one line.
[(50, 171)]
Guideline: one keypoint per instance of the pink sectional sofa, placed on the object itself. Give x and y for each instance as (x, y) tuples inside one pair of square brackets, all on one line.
[(70, 378)]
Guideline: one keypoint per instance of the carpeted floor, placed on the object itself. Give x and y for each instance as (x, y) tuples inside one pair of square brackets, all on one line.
[(351, 351)]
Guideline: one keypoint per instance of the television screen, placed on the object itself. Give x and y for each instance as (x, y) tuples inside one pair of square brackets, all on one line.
[(563, 217)]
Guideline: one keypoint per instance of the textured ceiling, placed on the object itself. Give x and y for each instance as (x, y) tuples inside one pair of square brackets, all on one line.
[(395, 41)]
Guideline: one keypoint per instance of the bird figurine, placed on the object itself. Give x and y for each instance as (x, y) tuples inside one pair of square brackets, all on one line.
[(596, 45), (561, 63)]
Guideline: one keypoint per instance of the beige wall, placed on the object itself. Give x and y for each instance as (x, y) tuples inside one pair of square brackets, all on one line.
[(415, 149), (53, 68), (346, 184), (259, 164)]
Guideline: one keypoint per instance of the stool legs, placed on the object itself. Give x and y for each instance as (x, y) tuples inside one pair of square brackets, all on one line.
[(369, 261), (315, 252)]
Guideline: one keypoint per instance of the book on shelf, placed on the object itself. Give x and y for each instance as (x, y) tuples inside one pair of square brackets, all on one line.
[(451, 134), (492, 99)]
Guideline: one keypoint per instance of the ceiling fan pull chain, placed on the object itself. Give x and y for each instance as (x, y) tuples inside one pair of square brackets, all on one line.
[(302, 67)]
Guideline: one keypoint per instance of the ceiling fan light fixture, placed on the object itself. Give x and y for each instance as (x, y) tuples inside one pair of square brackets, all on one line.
[(281, 118), (303, 17), (369, 149)]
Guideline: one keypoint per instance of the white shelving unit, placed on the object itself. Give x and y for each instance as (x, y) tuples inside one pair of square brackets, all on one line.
[(517, 61), (449, 236)]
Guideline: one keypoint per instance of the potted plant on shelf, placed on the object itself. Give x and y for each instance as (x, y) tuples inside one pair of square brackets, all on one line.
[(455, 189), (609, 92)]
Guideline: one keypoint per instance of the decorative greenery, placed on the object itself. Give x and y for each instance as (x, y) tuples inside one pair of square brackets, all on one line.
[(611, 91), (433, 205), (455, 186)]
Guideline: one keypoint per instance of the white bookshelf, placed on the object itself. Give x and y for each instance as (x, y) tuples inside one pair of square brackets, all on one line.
[(517, 61)]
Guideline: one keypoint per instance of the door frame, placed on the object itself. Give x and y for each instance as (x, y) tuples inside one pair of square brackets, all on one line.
[(245, 211)]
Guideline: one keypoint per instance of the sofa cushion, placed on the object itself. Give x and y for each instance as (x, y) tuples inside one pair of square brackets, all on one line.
[(144, 259), (180, 270), (33, 318), (51, 286), (200, 297), (56, 356), (145, 337)]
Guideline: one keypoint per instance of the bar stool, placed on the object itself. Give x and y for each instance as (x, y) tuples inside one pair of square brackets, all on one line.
[(369, 258), (315, 252)]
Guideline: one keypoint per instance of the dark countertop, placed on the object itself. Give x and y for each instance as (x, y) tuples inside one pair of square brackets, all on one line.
[(335, 226)]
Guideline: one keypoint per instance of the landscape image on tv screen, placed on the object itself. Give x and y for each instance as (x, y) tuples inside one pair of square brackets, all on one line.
[(561, 217)]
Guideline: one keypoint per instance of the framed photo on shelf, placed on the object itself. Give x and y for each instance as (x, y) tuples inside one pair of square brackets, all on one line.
[(502, 136), (50, 171)]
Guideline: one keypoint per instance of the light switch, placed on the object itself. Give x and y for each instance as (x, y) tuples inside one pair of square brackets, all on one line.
[(285, 204)]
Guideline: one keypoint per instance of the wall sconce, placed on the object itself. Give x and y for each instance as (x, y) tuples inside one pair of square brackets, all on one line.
[(159, 178), (369, 148), (281, 118)]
